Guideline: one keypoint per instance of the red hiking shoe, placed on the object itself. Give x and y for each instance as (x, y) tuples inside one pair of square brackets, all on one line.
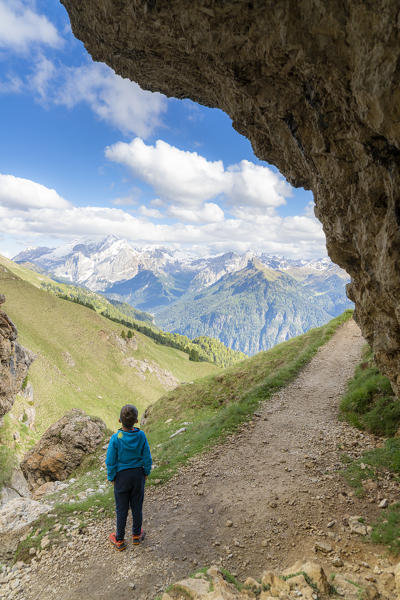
[(137, 539), (119, 544)]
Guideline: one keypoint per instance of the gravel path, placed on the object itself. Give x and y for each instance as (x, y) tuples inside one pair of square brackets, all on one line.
[(263, 498)]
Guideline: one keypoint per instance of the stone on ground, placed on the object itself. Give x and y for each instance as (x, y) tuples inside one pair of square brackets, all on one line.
[(62, 447)]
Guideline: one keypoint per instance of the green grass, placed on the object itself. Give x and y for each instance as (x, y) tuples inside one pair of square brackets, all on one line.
[(231, 579), (217, 405), (15, 439), (81, 358), (376, 463), (370, 403), (387, 529), (7, 463), (354, 475)]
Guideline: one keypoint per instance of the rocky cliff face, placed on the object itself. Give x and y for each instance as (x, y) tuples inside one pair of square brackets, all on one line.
[(14, 362), (315, 86)]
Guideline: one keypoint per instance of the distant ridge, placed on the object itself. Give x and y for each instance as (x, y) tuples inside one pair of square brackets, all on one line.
[(199, 296)]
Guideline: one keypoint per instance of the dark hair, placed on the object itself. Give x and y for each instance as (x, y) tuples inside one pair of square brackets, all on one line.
[(128, 415)]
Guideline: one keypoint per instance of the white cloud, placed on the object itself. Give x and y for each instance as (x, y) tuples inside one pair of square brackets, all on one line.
[(11, 84), (31, 211), (176, 175), (151, 213), (208, 213), (43, 74), (113, 99), (125, 201), (21, 27), (189, 179), (24, 194), (256, 186)]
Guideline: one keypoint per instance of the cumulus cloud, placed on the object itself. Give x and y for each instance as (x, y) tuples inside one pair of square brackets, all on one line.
[(151, 213), (24, 194), (256, 185), (176, 175), (29, 210), (209, 212), (21, 27), (187, 178), (112, 98)]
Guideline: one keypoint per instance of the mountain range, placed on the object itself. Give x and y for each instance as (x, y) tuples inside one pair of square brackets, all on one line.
[(249, 301)]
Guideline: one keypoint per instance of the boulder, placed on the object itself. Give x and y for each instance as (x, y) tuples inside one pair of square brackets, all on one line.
[(15, 519), (14, 362), (62, 447)]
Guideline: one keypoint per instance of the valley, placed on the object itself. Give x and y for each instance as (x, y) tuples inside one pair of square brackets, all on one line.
[(250, 302)]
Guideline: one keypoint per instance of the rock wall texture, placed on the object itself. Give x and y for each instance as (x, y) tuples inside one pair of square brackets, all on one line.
[(315, 87), (62, 447), (14, 362)]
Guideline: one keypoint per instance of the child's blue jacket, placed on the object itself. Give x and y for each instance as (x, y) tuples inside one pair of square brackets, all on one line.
[(127, 450)]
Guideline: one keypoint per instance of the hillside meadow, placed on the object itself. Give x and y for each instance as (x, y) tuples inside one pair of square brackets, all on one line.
[(82, 360)]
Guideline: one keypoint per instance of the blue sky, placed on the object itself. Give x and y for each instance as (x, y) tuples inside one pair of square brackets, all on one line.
[(85, 153)]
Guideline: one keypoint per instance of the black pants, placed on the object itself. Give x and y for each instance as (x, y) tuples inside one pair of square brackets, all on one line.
[(129, 492)]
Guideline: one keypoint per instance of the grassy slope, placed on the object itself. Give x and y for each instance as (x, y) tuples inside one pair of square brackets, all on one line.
[(211, 350), (370, 402), (371, 405), (53, 327), (219, 403)]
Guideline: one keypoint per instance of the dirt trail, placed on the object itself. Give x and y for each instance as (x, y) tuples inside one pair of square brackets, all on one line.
[(276, 481)]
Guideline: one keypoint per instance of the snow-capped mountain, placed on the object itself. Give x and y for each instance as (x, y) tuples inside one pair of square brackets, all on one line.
[(98, 265), (193, 295)]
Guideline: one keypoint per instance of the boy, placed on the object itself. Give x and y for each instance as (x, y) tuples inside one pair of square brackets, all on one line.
[(128, 465)]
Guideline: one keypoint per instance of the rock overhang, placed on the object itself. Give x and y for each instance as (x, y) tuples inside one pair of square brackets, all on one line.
[(314, 86)]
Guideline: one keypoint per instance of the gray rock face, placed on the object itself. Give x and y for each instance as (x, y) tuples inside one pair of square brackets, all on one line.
[(16, 488), (15, 519), (14, 362), (315, 87), (62, 448)]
